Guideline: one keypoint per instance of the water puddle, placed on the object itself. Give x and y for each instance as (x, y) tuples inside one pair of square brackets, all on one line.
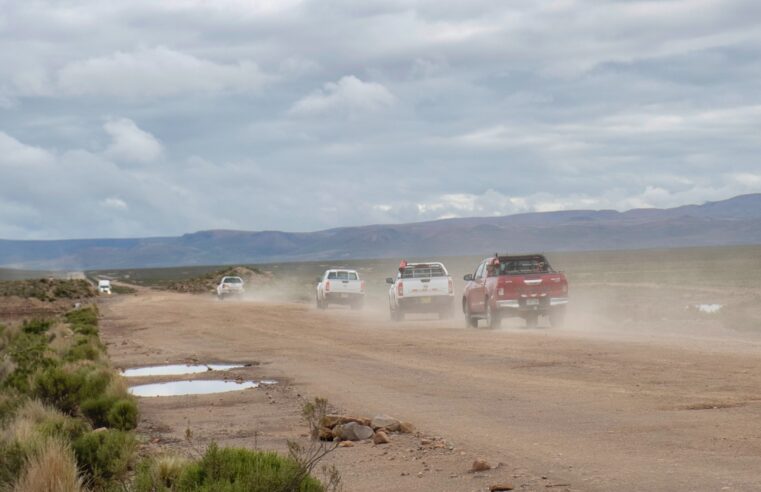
[(709, 308), (198, 387), (177, 369)]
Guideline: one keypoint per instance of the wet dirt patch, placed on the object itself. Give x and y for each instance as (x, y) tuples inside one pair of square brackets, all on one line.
[(177, 369), (195, 387)]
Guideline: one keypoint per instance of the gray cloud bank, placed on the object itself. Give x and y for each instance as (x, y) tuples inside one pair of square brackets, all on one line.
[(157, 118)]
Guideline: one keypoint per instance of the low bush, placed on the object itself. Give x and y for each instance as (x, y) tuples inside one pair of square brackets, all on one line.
[(83, 321), (161, 474), (68, 388), (36, 326), (243, 470), (104, 455), (30, 353), (123, 414), (84, 348)]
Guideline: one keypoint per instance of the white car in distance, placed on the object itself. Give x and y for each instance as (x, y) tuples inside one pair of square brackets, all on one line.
[(229, 286), (340, 286)]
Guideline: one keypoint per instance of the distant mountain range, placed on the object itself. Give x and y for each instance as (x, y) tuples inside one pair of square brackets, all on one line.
[(735, 221)]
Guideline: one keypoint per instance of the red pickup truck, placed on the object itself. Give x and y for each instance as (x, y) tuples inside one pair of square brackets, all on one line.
[(522, 286)]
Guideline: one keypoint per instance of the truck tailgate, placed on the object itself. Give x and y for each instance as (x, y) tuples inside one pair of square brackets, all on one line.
[(425, 287), (345, 286)]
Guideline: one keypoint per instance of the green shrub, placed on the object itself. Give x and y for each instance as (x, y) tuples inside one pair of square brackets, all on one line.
[(123, 414), (160, 474), (96, 409), (84, 348), (66, 389), (104, 455), (29, 352), (36, 326), (66, 428), (243, 470), (13, 457), (83, 321)]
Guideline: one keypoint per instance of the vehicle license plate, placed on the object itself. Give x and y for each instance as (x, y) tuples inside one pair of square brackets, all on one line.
[(532, 302), (425, 300)]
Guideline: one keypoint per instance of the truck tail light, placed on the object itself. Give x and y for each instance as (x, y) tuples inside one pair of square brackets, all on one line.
[(400, 289), (501, 292), (362, 286), (565, 288), (327, 285), (451, 286)]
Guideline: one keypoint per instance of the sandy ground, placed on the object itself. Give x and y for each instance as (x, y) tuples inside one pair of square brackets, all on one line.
[(629, 404)]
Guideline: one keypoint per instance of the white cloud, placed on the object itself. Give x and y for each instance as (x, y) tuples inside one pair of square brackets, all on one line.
[(15, 153), (114, 203), (130, 143), (157, 72), (348, 94)]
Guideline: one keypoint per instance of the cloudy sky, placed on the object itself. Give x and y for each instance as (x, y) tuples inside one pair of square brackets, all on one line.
[(145, 117)]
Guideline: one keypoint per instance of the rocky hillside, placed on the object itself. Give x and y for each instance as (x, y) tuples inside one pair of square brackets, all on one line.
[(736, 221)]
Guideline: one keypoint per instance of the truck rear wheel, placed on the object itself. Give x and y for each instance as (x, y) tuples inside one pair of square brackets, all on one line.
[(396, 314), (470, 321), (532, 320), (493, 317)]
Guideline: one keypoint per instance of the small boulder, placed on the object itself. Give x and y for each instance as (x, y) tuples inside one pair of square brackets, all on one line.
[(325, 434), (480, 465), (353, 431), (500, 487), (380, 437), (385, 422), (345, 444), (406, 428), (334, 420)]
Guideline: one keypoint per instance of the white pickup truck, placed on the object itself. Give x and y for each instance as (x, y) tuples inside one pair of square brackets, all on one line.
[(229, 286), (340, 287), (421, 288)]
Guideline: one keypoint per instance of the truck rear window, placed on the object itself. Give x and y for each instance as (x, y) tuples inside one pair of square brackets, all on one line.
[(518, 267), (342, 276), (423, 271)]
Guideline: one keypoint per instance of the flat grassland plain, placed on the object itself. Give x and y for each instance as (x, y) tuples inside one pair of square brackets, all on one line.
[(640, 390)]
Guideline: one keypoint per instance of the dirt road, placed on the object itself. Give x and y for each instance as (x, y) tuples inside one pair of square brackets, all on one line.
[(646, 408)]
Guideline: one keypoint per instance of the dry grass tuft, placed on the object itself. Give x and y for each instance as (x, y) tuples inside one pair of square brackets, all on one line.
[(52, 469)]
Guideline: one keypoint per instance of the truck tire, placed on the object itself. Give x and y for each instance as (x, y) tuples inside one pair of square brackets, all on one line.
[(557, 317), (394, 314), (321, 304), (532, 320), (470, 321), (493, 318)]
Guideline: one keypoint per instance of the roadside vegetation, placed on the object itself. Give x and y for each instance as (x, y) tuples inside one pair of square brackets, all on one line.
[(66, 416), (47, 289), (67, 422)]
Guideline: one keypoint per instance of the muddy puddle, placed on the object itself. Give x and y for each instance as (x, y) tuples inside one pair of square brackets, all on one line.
[(197, 387), (177, 369)]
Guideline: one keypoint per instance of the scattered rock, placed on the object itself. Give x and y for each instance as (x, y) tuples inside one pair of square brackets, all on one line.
[(425, 442), (480, 465), (100, 429), (334, 420), (385, 422), (345, 444), (353, 431), (500, 487), (325, 434), (406, 428), (380, 437)]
